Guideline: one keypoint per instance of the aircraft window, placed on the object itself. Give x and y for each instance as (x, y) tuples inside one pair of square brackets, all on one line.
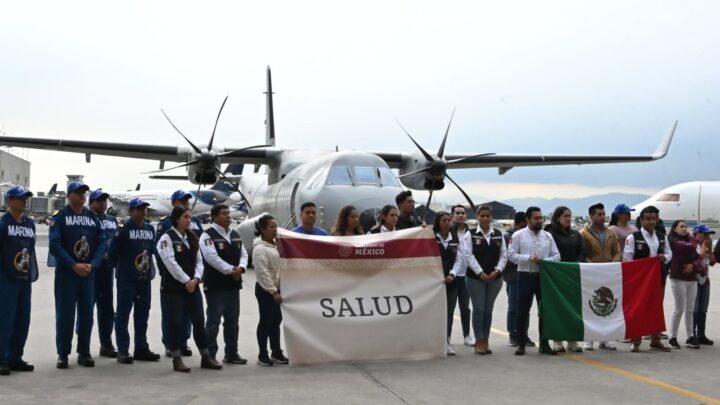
[(669, 197), (387, 178), (366, 175), (339, 175)]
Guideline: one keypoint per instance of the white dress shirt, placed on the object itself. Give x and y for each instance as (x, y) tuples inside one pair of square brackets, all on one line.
[(526, 243), (167, 255), (502, 260), (652, 242), (211, 256)]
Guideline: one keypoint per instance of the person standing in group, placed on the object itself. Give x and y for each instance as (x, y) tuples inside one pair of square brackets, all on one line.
[(648, 243), (225, 261), (509, 275), (702, 234), (347, 223), (18, 270), (620, 223), (179, 249), (78, 244), (131, 252), (484, 278), (683, 281), (406, 206), (453, 263), (601, 246), (572, 249), (105, 276), (179, 198), (308, 216), (266, 259), (466, 250), (387, 220), (528, 247)]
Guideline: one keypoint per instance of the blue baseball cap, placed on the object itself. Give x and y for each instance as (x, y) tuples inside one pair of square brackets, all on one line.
[(623, 209), (98, 194), (18, 192), (77, 186), (180, 195), (702, 228), (137, 203)]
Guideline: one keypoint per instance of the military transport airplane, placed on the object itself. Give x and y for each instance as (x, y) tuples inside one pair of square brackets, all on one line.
[(331, 179)]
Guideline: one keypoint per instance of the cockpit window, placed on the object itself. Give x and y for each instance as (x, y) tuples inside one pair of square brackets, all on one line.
[(366, 175), (339, 175), (387, 178), (669, 197)]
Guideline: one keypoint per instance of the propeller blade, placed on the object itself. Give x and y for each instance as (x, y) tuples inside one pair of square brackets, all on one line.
[(192, 162), (197, 197), (427, 206), (427, 155), (441, 151), (467, 197), (247, 202), (411, 173), (195, 148), (449, 162), (242, 149), (212, 137)]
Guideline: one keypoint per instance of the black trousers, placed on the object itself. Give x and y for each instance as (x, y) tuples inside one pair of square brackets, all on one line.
[(269, 324), (457, 293), (528, 286), (179, 306)]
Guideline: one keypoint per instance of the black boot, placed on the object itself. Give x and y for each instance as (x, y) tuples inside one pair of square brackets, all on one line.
[(186, 352), (86, 360), (546, 349), (520, 351), (108, 351), (209, 363), (124, 358), (146, 355), (62, 362), (21, 365)]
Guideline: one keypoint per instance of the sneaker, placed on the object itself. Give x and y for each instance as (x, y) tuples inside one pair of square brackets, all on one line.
[(186, 352), (574, 347), (589, 346), (108, 351), (21, 365), (449, 350), (512, 342), (674, 343), (469, 341), (558, 347), (607, 346), (85, 360), (234, 359), (264, 360), (692, 343), (146, 355), (546, 349), (520, 351), (62, 362), (124, 358), (4, 369), (703, 340), (279, 358)]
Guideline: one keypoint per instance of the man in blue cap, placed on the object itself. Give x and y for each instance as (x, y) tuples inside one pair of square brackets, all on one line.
[(78, 244), (179, 197), (132, 251), (18, 269), (104, 275)]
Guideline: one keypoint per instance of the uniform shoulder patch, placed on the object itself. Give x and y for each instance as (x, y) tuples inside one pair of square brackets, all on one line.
[(208, 242)]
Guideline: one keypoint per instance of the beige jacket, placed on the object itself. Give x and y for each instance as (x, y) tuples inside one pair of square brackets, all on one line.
[(266, 260), (597, 253)]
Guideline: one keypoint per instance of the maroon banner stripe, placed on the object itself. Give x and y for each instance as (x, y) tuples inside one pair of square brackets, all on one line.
[(297, 248)]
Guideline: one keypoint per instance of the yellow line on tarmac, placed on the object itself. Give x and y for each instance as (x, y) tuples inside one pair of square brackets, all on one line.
[(630, 374)]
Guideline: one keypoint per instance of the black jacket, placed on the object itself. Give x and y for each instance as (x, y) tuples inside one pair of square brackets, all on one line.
[(569, 243), (510, 272)]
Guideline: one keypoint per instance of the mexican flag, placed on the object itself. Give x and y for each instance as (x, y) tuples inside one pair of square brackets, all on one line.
[(601, 301)]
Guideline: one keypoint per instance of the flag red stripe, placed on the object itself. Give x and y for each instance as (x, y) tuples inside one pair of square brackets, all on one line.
[(301, 248), (643, 297)]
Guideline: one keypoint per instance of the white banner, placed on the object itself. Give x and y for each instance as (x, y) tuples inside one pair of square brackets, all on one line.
[(362, 298)]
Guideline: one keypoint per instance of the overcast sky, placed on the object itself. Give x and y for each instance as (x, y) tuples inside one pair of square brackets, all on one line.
[(526, 77)]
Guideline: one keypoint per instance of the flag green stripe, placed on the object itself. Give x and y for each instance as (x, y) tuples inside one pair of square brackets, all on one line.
[(561, 305)]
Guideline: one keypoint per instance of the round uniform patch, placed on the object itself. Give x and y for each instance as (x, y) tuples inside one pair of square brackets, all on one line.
[(142, 262), (81, 249), (22, 261)]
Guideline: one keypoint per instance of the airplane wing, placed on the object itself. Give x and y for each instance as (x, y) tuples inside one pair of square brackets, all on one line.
[(505, 162)]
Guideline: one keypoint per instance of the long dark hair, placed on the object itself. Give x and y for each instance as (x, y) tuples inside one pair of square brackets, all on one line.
[(384, 212), (675, 235), (555, 219), (341, 223), (175, 215), (438, 217), (613, 219)]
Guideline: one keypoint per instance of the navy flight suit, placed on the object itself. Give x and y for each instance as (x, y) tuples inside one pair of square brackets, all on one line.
[(104, 285), (18, 269), (75, 238)]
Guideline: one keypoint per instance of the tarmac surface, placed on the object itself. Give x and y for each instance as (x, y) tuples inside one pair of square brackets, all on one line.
[(683, 376)]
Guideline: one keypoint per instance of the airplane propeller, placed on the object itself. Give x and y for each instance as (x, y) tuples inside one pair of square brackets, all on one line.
[(206, 159), (436, 166)]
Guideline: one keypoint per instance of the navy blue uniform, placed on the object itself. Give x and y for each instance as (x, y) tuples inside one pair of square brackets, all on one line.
[(75, 238), (132, 252), (163, 226), (104, 276), (18, 269)]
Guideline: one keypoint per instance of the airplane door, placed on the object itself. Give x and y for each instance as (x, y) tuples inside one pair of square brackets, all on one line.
[(293, 204)]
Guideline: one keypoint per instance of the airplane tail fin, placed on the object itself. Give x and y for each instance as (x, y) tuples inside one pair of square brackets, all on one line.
[(53, 190), (269, 115), (138, 187), (233, 172)]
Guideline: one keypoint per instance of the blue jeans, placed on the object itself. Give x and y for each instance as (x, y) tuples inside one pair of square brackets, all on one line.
[(73, 294), (131, 294), (223, 304), (512, 293), (15, 300), (457, 293), (701, 306), (483, 295), (104, 278)]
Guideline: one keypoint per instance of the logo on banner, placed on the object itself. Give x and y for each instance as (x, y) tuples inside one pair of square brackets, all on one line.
[(603, 302), (345, 250)]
